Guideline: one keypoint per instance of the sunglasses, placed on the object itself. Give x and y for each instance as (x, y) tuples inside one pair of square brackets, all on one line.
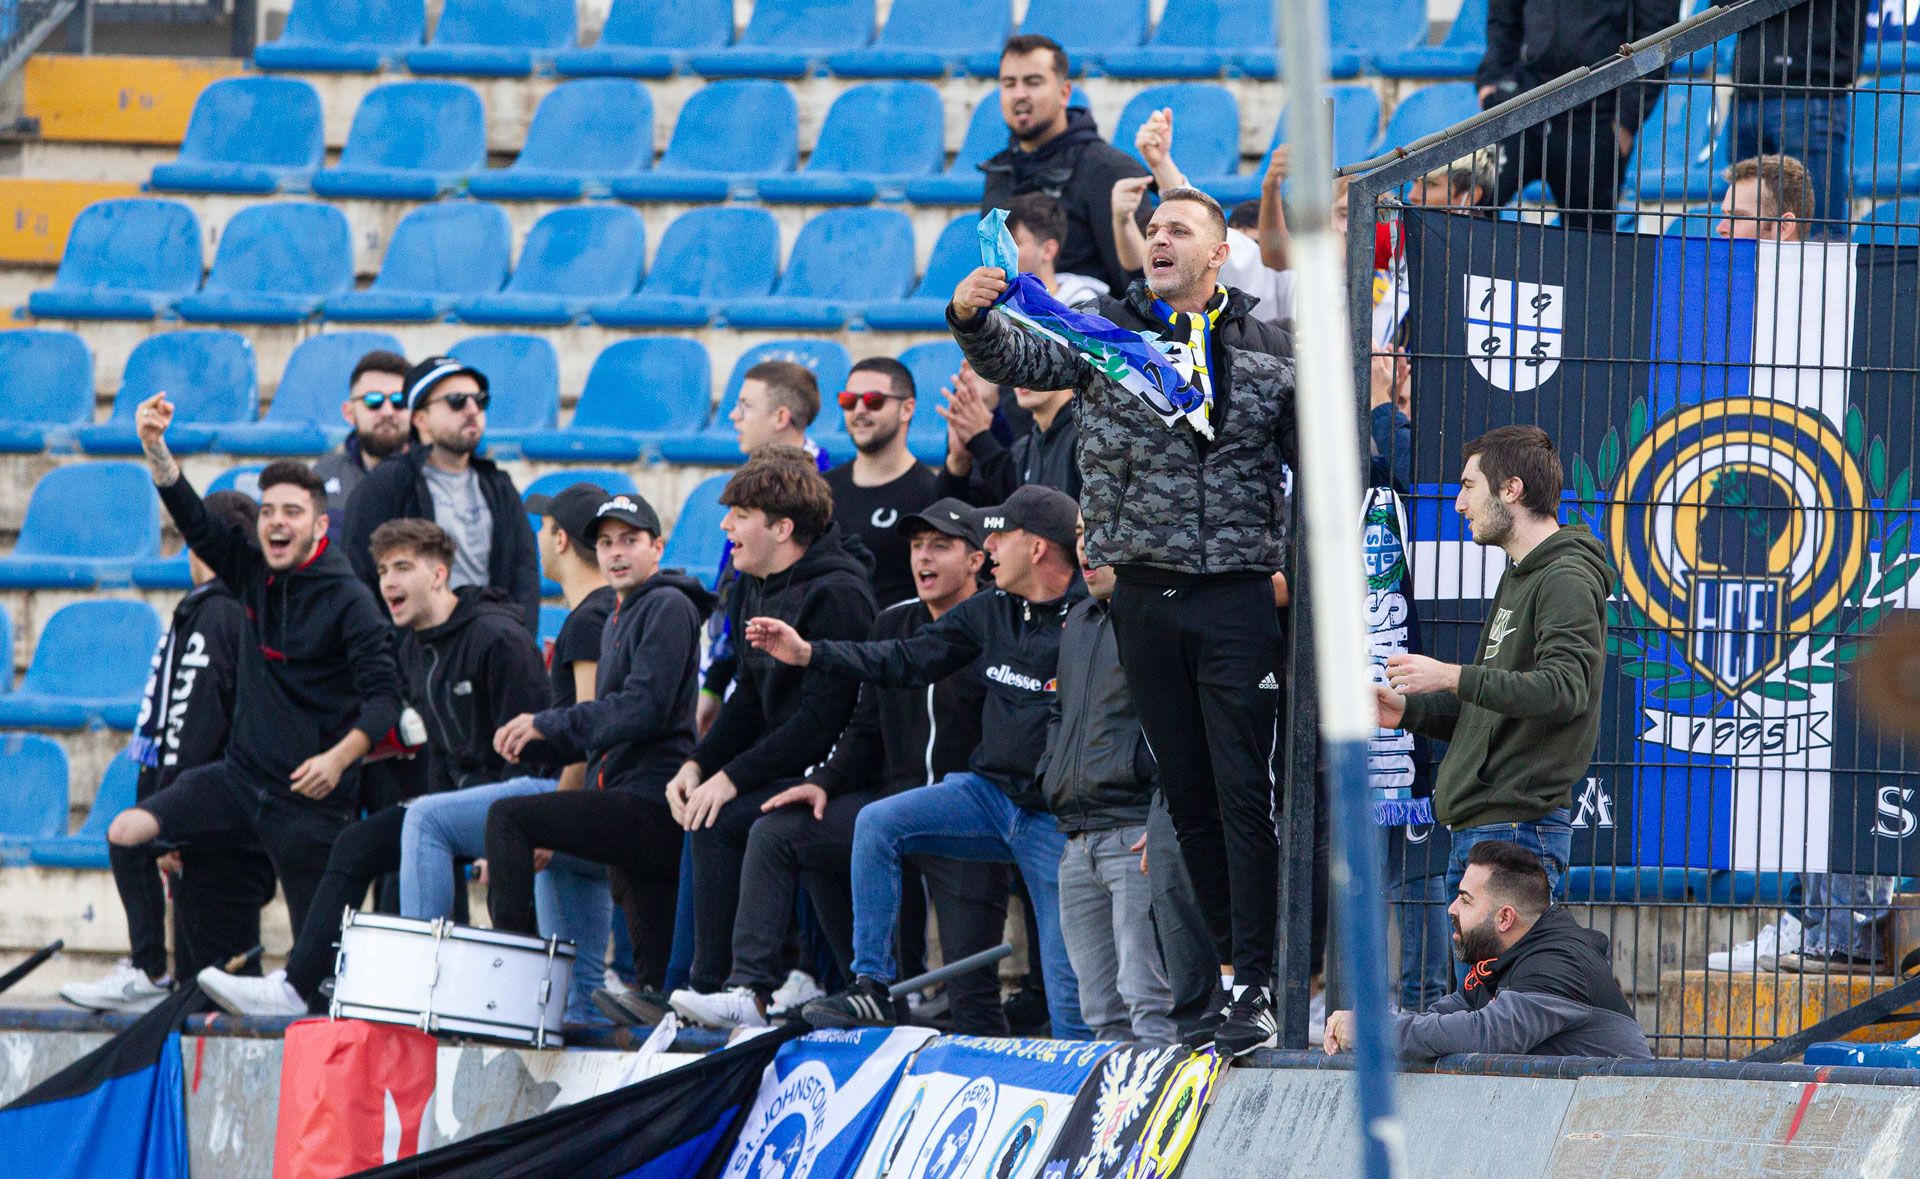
[(376, 400), (849, 399), (457, 402)]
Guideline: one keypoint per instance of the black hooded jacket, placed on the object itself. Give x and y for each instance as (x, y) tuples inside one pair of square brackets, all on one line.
[(397, 489), (466, 677), (187, 711), (638, 728), (1552, 994), (779, 722), (1078, 169), (1018, 645), (317, 662), (1814, 43), (1050, 457), (1534, 41)]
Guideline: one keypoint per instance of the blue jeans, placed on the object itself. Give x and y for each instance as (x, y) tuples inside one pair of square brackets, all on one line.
[(1811, 130), (573, 902), (963, 817), (441, 828), (1549, 837), (1426, 941), (1834, 928)]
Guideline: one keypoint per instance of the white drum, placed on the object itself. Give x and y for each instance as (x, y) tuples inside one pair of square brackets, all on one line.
[(453, 979)]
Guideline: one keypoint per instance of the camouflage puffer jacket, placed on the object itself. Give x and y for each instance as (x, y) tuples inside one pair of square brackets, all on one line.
[(1161, 496)]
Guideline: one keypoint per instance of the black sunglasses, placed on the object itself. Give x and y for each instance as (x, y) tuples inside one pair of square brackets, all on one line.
[(375, 400), (457, 402)]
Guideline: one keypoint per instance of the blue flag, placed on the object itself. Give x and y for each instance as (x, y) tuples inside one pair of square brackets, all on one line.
[(820, 1102)]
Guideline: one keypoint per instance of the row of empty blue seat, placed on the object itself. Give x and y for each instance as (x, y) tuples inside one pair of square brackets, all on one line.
[(791, 38), (33, 807)]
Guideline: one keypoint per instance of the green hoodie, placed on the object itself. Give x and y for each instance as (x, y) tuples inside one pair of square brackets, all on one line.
[(1525, 720)]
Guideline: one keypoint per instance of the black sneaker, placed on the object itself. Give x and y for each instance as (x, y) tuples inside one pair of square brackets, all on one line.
[(1026, 1011), (1203, 1024), (632, 1009), (1249, 1024), (865, 1004)]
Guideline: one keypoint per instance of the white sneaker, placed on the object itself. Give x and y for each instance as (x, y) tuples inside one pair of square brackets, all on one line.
[(125, 988), (240, 995), (799, 990), (1764, 951), (726, 1010)]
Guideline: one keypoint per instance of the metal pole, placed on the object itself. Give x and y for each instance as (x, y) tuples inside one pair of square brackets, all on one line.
[(1329, 447)]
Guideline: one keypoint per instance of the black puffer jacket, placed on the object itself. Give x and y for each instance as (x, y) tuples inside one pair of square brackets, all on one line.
[(1097, 772), (1078, 169), (1158, 497), (466, 677)]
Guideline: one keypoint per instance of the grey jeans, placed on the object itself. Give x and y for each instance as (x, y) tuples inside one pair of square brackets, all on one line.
[(1106, 918)]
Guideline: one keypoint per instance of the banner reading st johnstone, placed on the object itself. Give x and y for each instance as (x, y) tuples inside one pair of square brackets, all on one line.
[(1736, 420)]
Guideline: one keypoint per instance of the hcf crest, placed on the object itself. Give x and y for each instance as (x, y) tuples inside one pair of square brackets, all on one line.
[(1739, 527)]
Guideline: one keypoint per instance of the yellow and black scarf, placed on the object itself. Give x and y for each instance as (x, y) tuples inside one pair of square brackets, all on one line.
[(1188, 346)]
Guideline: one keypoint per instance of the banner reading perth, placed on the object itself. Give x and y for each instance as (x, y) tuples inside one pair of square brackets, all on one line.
[(1737, 422)]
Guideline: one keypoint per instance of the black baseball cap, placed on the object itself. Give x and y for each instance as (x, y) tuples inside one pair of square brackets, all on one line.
[(573, 508), (949, 516), (627, 508), (1047, 512), (422, 377)]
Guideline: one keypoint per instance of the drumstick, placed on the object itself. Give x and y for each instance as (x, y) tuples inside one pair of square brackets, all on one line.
[(239, 962), (950, 970)]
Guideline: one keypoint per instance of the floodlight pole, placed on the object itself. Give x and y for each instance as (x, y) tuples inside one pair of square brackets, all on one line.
[(1329, 448)]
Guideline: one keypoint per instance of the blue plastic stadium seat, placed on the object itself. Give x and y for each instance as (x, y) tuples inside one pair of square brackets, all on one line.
[(1886, 138), (552, 618), (276, 264), (409, 141), (1087, 29), (1863, 1055), (955, 255), (1895, 223), (304, 416), (1717, 59), (557, 481), (46, 387), (208, 374), (126, 258), (248, 135), (495, 38), (6, 637), (706, 257), (784, 38), (1206, 128), (728, 133), (1196, 39), (1698, 221), (926, 38), (1457, 56), (963, 183), (172, 573), (573, 258), (90, 667), (523, 373), (34, 804), (1890, 49), (717, 444), (638, 392), (1361, 31), (932, 365), (1681, 151), (86, 525), (584, 133), (1356, 134), (345, 35), (439, 253), (843, 260), (1751, 888), (648, 39), (1430, 109), (695, 544), (1611, 885), (877, 136), (87, 848)]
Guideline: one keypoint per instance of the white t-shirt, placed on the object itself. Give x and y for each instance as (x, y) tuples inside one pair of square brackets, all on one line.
[(1245, 271), (1077, 290)]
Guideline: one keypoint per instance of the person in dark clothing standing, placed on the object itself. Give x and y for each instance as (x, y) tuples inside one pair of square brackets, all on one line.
[(898, 739), (1580, 153), (1540, 984), (443, 480), (218, 891), (981, 471), (376, 408), (1190, 516), (466, 666), (633, 734), (1056, 149), (778, 723), (1791, 75), (315, 689), (883, 484)]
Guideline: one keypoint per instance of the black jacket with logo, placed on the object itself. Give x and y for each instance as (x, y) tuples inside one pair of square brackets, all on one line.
[(1050, 457), (779, 722), (318, 660), (397, 489), (638, 728), (187, 711), (466, 677), (900, 738), (1078, 169), (1018, 645), (1097, 773)]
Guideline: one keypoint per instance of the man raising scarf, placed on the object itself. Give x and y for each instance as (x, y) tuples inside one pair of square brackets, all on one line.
[(1186, 407)]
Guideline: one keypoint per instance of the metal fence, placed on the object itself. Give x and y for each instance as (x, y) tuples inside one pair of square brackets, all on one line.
[(26, 25), (1731, 379)]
